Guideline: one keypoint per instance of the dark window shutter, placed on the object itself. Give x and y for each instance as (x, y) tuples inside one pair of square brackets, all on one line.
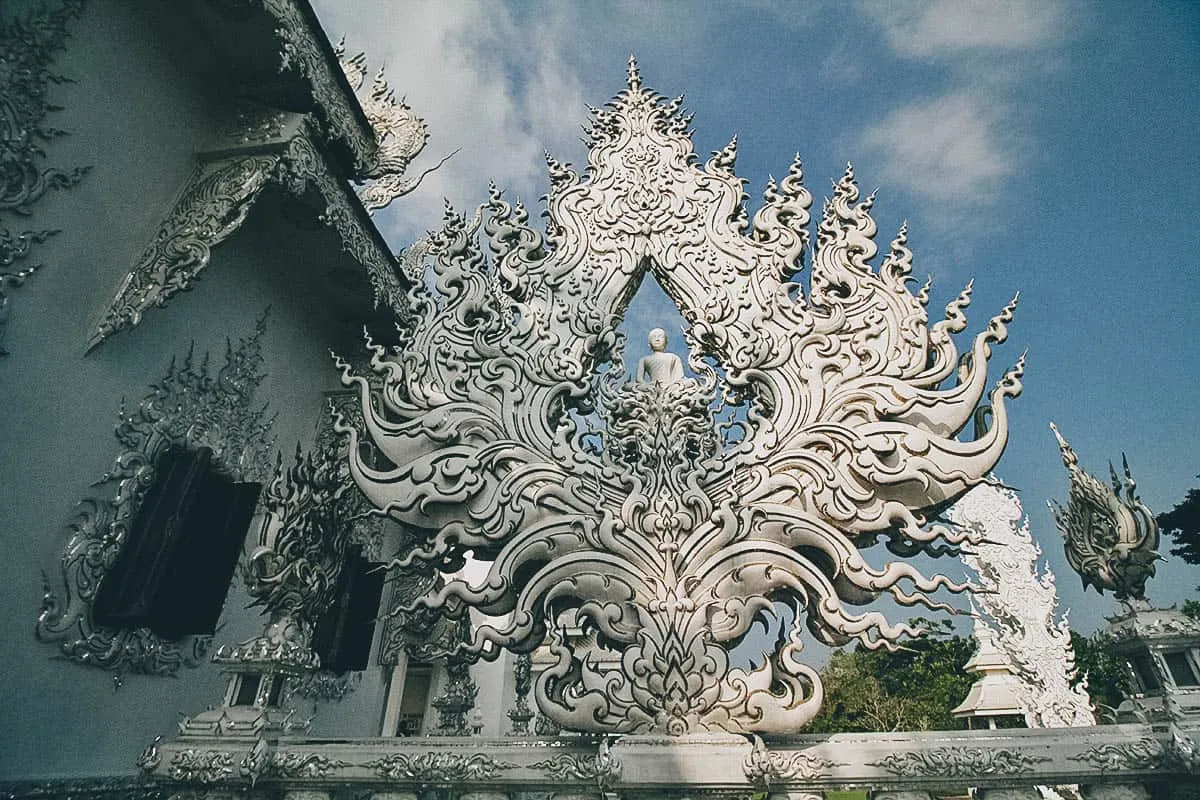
[(202, 565), (343, 635), (174, 569), (128, 591)]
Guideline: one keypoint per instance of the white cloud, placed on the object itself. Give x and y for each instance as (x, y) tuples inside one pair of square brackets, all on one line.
[(946, 150), (924, 28), (482, 87), (953, 148)]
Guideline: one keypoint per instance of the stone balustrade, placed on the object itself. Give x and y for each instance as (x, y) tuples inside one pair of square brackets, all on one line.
[(1110, 762)]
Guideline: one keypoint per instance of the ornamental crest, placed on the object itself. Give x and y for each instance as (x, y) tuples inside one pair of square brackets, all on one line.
[(1109, 534), (666, 517)]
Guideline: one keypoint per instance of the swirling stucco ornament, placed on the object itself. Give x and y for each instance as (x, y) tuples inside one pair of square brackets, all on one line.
[(509, 435)]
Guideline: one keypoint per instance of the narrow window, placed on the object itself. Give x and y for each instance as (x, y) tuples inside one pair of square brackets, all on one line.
[(1147, 675), (1181, 669), (175, 566), (247, 689), (417, 680), (343, 635)]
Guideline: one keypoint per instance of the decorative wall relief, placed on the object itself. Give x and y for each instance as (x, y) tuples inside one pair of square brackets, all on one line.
[(265, 147), (672, 535), (214, 204), (28, 45), (602, 767), (1021, 601), (959, 762), (201, 766), (1139, 754), (439, 767), (302, 49), (189, 407), (763, 767)]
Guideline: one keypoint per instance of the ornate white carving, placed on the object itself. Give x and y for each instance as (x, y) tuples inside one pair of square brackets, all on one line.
[(763, 767), (214, 204), (602, 767), (400, 133), (674, 535), (960, 762), (1110, 539), (1139, 754), (216, 200), (440, 767), (189, 407), (303, 49), (1021, 601), (28, 45)]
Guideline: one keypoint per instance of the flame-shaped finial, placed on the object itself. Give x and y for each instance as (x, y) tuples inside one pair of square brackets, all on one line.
[(1070, 460), (635, 77)]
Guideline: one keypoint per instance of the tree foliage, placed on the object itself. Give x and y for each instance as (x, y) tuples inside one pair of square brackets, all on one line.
[(1182, 524), (1107, 682), (910, 689), (914, 689)]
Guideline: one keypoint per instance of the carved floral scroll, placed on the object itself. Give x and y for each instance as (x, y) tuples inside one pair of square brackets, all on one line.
[(28, 45), (669, 539), (189, 407)]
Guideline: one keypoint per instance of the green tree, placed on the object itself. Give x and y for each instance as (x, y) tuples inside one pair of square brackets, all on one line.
[(1182, 524), (1191, 608), (910, 689), (1106, 679), (915, 688)]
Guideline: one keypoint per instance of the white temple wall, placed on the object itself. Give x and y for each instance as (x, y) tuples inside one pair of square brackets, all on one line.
[(137, 118)]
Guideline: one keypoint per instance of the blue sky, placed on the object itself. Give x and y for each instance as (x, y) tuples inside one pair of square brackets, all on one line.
[(1041, 146)]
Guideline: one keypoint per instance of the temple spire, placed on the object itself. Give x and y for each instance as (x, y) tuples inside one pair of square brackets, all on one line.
[(635, 77)]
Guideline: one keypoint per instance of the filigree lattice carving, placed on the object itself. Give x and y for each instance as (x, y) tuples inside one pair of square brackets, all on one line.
[(215, 202), (28, 45), (439, 767), (763, 767), (670, 538), (1109, 534), (959, 762), (190, 407), (1021, 601), (1141, 754)]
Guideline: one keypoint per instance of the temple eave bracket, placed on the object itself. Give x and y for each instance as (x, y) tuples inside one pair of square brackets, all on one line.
[(263, 148)]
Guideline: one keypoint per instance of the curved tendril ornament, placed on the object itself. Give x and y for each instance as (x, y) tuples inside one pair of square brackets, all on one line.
[(667, 541)]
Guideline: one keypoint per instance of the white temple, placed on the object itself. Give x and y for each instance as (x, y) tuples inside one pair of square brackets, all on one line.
[(235, 567)]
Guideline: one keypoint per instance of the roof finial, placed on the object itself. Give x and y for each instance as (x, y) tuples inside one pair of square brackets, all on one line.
[(635, 77), (1068, 454)]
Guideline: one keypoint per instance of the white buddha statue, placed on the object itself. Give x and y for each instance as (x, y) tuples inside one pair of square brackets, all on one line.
[(660, 366)]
